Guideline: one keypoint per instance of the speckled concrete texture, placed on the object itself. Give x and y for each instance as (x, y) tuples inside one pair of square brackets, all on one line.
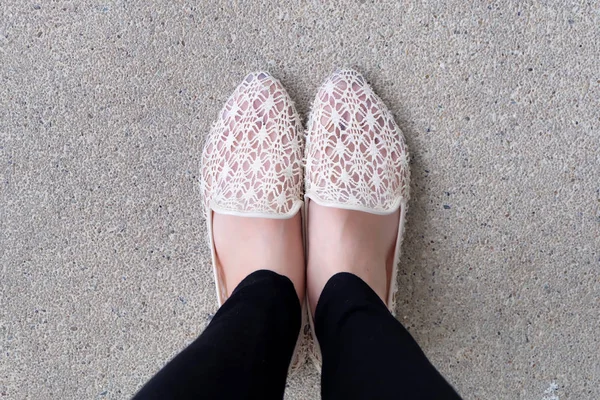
[(104, 271)]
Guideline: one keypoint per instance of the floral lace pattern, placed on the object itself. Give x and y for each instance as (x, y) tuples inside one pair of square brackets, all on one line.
[(252, 160), (356, 156)]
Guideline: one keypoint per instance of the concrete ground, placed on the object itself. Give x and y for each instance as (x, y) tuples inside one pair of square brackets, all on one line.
[(104, 272)]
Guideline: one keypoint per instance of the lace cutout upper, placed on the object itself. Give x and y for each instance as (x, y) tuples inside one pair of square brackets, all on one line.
[(252, 160), (355, 152)]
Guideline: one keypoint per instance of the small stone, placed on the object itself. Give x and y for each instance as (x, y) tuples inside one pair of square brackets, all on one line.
[(447, 207)]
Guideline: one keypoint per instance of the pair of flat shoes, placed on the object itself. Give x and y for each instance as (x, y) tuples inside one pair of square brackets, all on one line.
[(258, 161)]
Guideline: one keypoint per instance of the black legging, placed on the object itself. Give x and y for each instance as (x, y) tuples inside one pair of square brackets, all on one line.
[(245, 351)]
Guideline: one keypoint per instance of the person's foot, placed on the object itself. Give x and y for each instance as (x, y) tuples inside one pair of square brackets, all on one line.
[(350, 241), (356, 178), (252, 181), (244, 245)]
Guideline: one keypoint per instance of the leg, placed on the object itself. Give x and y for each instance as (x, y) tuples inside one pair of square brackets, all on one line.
[(245, 351), (367, 353)]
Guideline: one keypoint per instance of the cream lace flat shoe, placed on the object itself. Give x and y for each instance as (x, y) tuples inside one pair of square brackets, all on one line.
[(356, 159), (252, 163)]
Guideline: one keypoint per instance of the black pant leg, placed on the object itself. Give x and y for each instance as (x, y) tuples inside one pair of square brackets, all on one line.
[(367, 353), (245, 351)]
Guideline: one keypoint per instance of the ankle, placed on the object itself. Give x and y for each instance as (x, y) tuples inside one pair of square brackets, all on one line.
[(356, 242), (245, 245)]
